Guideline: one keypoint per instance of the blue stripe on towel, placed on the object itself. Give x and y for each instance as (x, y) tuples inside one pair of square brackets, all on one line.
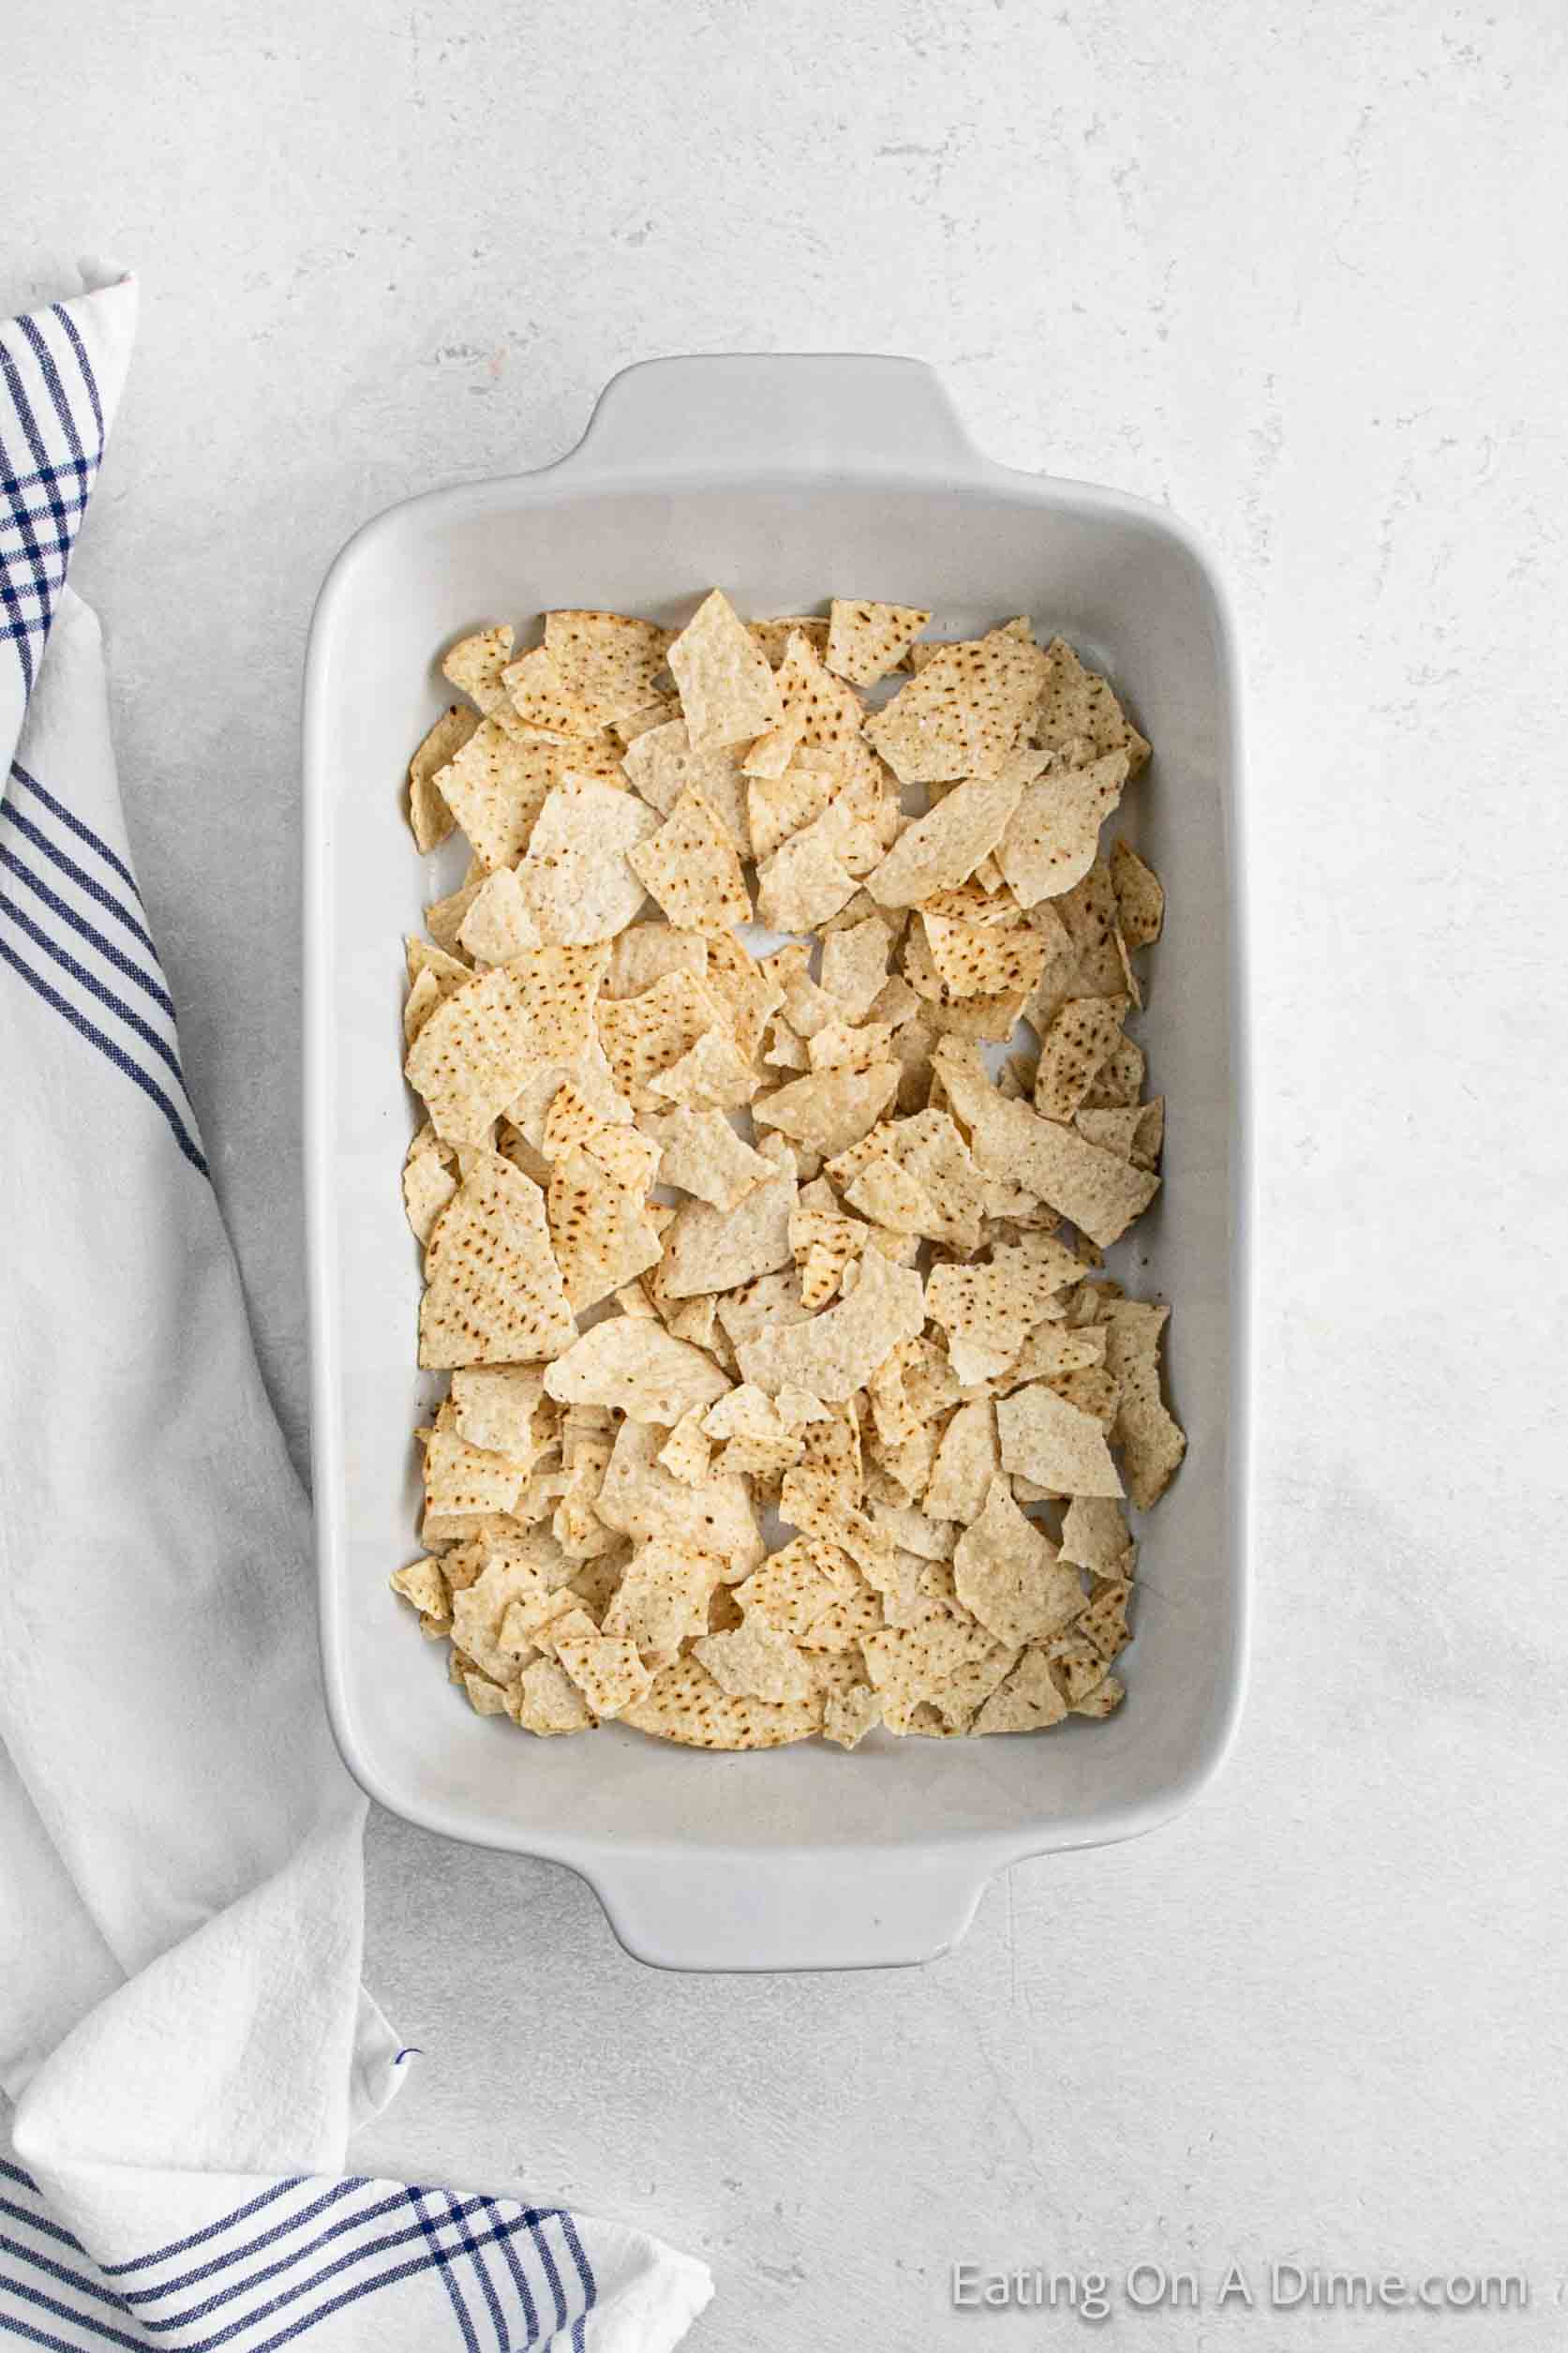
[(115, 1054), (83, 832)]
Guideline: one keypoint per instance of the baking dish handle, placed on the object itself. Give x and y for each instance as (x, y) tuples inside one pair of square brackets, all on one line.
[(824, 1910), (774, 413)]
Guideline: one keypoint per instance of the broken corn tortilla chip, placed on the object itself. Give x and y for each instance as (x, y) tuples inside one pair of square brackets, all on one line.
[(943, 849), (854, 966), (709, 1249), (888, 1195), (494, 1408), (687, 1706), (1045, 1439), (962, 713), (749, 994), (755, 1661), (476, 1049), (645, 1034), (728, 694), (908, 1663), (662, 1597), (606, 1670), (494, 1292), (549, 1703), (448, 971), (1140, 896), (1078, 714), (662, 764), (635, 1365), (544, 701), (421, 1002), (987, 1311), (1007, 1575), (795, 1586), (779, 806), (500, 923), (1088, 914), (577, 878), (804, 884), (1119, 1080), (701, 1154), (639, 1499), (1074, 1051), (1027, 1702), (686, 1453), (849, 1714), (837, 1352), (429, 817), (773, 635), (561, 1103), (984, 959), (1151, 1439), (1053, 835), (429, 1181), (609, 659), (598, 1228), (865, 641), (711, 1075), (830, 1109), (645, 953), (475, 664), (824, 712), (461, 1479), (1095, 1534), (1101, 1193), (495, 787), (1052, 1351), (690, 866), (443, 918), (771, 753)]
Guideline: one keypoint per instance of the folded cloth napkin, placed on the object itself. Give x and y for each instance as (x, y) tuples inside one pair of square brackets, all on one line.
[(183, 2032)]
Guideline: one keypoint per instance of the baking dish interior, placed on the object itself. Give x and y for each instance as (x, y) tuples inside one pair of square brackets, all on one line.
[(1131, 592)]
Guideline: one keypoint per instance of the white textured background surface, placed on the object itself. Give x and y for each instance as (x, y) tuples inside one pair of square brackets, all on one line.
[(1298, 272)]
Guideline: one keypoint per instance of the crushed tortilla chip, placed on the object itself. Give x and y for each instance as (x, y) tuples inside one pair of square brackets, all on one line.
[(1140, 896), (831, 1109), (500, 923), (429, 818), (1074, 1051), (836, 1353), (690, 866), (962, 713), (494, 1292), (1027, 1702), (577, 878), (1009, 1576), (637, 1368), (829, 1259), (984, 959), (866, 641), (1051, 838), (1078, 716), (728, 694), (598, 1228), (1151, 1439), (943, 849), (473, 1053), (608, 659), (495, 786), (1045, 1439)]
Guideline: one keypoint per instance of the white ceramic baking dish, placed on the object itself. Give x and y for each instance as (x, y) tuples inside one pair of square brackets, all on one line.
[(782, 479)]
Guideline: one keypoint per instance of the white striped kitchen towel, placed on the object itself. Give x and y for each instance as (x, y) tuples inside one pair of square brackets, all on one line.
[(184, 2039)]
